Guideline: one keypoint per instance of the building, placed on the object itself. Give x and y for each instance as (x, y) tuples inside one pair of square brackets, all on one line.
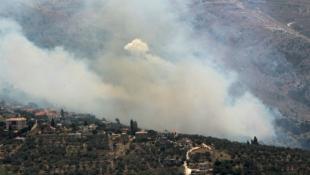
[(141, 135), (116, 137), (16, 123), (113, 126), (45, 113)]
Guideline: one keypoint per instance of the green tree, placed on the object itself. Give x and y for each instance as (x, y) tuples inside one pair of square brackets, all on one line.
[(254, 141), (53, 124)]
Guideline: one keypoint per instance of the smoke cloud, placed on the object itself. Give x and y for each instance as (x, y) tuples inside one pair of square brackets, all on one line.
[(137, 47), (148, 66)]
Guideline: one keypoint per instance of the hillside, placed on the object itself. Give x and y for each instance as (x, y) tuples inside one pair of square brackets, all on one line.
[(261, 45), (105, 151), (62, 142), (75, 55), (267, 43)]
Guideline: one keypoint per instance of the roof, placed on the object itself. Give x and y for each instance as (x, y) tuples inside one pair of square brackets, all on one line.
[(45, 112), (141, 132), (16, 119)]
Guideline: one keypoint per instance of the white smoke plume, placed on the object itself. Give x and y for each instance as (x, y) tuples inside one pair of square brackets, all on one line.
[(137, 47), (149, 69), (53, 75)]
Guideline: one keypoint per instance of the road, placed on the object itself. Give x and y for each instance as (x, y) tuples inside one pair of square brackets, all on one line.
[(187, 170)]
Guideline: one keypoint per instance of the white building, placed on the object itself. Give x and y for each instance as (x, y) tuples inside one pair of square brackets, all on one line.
[(16, 123)]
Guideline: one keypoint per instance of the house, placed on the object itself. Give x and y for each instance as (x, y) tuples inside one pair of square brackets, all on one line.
[(16, 123), (45, 113), (115, 137), (141, 135), (110, 126)]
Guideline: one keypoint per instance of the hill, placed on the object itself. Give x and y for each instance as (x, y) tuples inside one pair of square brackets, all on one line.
[(267, 43), (64, 142)]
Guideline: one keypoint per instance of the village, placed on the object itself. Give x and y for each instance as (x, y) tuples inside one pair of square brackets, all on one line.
[(47, 141), (77, 135)]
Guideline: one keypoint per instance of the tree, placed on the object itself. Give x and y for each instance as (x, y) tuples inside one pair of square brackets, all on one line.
[(94, 132), (133, 127), (117, 121), (11, 131), (73, 127), (85, 123), (254, 141), (62, 113), (53, 124)]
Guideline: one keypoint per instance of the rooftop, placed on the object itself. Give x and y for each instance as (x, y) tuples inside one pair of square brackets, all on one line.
[(16, 119)]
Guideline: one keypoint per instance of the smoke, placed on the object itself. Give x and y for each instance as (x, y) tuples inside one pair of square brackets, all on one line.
[(53, 75), (148, 66), (137, 47)]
